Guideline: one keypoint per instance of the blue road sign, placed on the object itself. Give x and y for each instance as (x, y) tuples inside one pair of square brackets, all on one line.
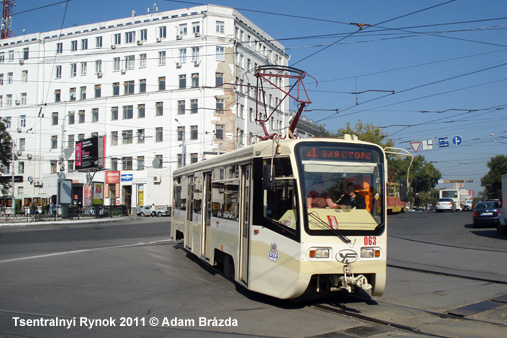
[(443, 142), (457, 140)]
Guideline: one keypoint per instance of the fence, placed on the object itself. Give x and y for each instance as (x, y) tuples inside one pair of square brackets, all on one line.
[(67, 212)]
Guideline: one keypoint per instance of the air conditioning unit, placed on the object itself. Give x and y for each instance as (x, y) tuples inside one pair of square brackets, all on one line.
[(159, 39), (156, 179), (139, 42), (19, 130), (29, 156), (99, 74), (197, 34), (21, 61), (113, 46), (178, 64), (38, 183), (178, 37), (123, 71), (196, 62), (19, 153), (17, 102)]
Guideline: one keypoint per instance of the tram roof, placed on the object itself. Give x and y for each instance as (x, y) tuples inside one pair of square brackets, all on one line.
[(258, 150)]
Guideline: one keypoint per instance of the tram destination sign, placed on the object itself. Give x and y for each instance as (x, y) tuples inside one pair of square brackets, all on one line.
[(311, 152)]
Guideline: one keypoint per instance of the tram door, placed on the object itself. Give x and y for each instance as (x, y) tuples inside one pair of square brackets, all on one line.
[(244, 221), (206, 219)]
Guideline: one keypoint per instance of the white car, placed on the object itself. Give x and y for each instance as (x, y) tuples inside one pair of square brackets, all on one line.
[(445, 204)]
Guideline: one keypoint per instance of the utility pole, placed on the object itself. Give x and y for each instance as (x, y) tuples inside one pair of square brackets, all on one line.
[(13, 205)]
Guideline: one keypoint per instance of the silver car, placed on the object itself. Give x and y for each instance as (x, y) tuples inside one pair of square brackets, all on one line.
[(445, 204)]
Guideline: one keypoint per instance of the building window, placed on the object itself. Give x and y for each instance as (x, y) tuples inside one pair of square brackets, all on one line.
[(193, 132), (114, 138), (181, 133), (219, 106), (73, 45), (220, 54), (80, 137), (114, 113), (195, 80), (116, 88), (81, 116), (114, 164), (140, 162), (58, 95), (159, 106), (98, 42), (162, 32), (73, 69), (142, 61), (98, 90), (70, 166), (142, 86), (179, 160), (143, 34), (161, 83), (160, 160), (22, 143), (219, 132), (159, 134), (183, 81), (181, 107), (1, 79), (72, 93), (95, 114), (117, 39), (220, 27), (128, 87), (130, 37), (58, 72), (84, 44), (183, 55), (54, 142), (70, 141), (126, 163), (21, 167), (140, 135), (241, 113), (116, 64), (127, 136), (54, 119), (161, 58), (98, 67), (24, 76), (128, 112), (194, 106), (196, 27), (141, 111), (219, 79), (72, 117), (195, 54), (182, 29), (84, 66), (193, 158), (59, 48), (83, 93)]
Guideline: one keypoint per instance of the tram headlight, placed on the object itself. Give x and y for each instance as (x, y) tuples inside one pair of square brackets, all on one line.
[(319, 253), (370, 252)]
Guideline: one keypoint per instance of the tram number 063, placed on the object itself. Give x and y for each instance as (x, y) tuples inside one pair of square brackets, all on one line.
[(370, 240)]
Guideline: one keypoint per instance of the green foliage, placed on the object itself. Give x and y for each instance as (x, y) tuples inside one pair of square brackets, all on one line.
[(368, 133), (492, 181), (5, 152)]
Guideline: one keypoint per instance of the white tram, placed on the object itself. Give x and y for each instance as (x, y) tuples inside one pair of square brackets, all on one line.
[(247, 211)]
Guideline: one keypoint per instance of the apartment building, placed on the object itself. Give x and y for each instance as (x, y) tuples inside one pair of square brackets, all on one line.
[(165, 89)]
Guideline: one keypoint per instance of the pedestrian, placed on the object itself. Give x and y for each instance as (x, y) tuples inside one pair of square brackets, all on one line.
[(153, 213)]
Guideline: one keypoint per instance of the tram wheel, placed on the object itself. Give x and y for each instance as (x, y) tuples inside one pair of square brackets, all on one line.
[(228, 267)]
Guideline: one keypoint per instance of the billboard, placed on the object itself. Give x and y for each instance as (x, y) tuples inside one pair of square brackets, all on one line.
[(90, 154)]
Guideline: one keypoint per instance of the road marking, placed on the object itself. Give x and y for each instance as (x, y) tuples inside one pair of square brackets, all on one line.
[(86, 250)]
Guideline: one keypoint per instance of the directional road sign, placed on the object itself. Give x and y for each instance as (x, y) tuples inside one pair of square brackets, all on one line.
[(443, 142), (457, 140)]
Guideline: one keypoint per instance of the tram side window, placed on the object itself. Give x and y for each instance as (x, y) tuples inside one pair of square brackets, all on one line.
[(280, 202), (198, 194), (180, 201), (225, 193)]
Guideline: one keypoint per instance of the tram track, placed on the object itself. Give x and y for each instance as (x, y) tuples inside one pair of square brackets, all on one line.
[(446, 245)]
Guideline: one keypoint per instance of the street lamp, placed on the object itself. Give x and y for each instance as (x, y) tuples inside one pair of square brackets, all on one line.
[(183, 145)]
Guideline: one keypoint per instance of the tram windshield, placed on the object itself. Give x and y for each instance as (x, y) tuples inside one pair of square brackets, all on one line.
[(341, 185)]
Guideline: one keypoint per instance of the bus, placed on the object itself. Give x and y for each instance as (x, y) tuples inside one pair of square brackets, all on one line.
[(246, 212), (452, 194), (394, 202)]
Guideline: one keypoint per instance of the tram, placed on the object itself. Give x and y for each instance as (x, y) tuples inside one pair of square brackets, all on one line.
[(394, 202), (248, 212)]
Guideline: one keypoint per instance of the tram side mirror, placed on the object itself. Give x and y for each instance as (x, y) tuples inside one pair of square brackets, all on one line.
[(403, 189), (268, 178)]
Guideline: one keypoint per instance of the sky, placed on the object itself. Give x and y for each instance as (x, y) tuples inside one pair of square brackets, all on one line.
[(422, 70)]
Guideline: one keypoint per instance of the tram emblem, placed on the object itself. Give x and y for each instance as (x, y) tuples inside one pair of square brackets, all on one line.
[(273, 253), (346, 256)]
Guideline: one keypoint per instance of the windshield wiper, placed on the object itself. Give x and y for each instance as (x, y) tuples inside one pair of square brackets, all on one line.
[(335, 231)]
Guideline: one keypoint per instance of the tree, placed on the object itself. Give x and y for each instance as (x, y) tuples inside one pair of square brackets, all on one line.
[(492, 181), (5, 153), (368, 133)]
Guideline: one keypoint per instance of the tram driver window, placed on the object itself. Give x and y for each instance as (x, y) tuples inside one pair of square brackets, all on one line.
[(280, 204)]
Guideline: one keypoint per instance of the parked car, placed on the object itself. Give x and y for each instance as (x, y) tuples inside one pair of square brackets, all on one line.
[(160, 210), (466, 207), (487, 213), (445, 204)]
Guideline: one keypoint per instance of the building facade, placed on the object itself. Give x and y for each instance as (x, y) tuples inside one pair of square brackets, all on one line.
[(165, 89)]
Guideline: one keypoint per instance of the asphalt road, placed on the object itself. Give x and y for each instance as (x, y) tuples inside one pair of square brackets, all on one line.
[(128, 279)]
